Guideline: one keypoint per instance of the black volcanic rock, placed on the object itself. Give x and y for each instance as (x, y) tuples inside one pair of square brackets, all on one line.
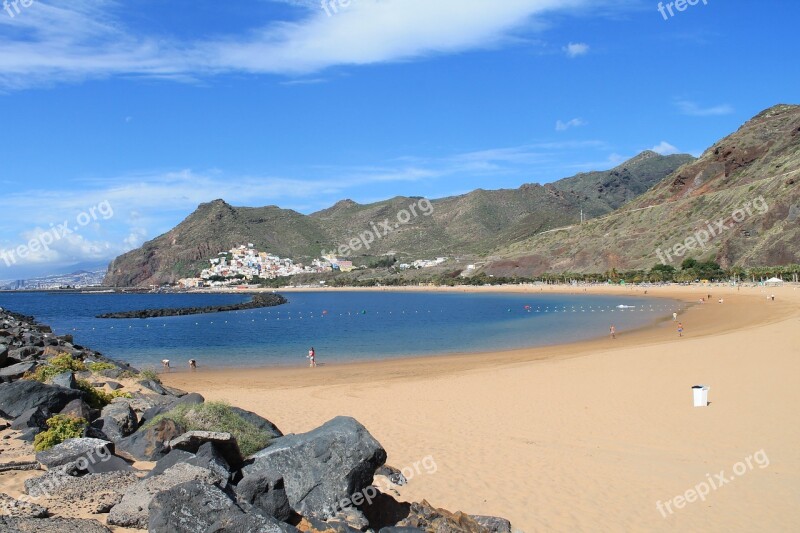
[(257, 301)]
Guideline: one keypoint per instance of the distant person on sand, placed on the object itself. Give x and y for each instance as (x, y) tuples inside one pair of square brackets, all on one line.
[(613, 331), (680, 329), (312, 358), (674, 317), (192, 364), (165, 364)]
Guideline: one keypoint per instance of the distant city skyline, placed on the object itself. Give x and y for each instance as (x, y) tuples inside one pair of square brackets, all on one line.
[(154, 108)]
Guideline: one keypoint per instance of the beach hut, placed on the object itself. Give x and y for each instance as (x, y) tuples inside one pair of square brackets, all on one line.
[(773, 282)]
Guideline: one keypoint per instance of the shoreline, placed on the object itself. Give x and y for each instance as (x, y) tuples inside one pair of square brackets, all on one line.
[(588, 435), (400, 367)]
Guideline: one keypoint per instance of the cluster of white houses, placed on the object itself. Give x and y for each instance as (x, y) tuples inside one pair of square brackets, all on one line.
[(244, 263)]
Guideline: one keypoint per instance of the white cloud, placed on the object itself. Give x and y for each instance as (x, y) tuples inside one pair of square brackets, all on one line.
[(85, 40), (687, 107), (665, 148), (576, 49), (574, 123)]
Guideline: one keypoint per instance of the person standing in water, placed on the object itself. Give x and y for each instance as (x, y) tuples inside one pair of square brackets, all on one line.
[(613, 331), (312, 358)]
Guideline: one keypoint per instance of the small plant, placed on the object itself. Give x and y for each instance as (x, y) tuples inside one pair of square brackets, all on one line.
[(149, 373), (219, 417), (128, 374), (99, 367), (61, 428), (98, 398), (56, 365)]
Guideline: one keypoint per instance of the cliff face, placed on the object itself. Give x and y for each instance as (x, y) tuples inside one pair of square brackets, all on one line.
[(744, 191), (474, 223)]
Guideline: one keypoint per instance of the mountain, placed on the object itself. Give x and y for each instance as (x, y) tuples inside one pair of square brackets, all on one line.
[(474, 223), (77, 279), (744, 192)]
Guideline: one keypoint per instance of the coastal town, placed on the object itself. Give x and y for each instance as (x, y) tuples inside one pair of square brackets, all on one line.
[(245, 263)]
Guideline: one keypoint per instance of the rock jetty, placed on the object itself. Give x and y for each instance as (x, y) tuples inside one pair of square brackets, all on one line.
[(257, 301)]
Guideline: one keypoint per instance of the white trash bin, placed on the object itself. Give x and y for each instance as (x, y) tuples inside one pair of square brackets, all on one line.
[(700, 395)]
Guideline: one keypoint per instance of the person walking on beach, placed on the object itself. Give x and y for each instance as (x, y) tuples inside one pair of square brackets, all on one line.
[(613, 331), (192, 364), (680, 329), (312, 358)]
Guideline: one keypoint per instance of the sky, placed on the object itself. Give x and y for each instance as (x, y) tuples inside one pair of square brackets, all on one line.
[(119, 118)]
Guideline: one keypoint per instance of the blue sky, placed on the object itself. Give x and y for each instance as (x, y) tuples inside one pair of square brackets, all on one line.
[(154, 107)]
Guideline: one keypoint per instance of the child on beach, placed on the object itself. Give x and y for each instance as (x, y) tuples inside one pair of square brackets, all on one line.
[(680, 329), (613, 331), (312, 358)]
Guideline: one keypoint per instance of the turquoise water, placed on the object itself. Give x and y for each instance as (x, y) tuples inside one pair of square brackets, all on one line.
[(341, 326)]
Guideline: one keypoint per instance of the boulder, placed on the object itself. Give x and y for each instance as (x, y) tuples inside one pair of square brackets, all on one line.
[(493, 524), (151, 443), (238, 522), (51, 525), (207, 457), (323, 467), (79, 409), (392, 474), (25, 353), (18, 397), (71, 450), (132, 510), (382, 510), (16, 371), (66, 380), (265, 492), (113, 385), (3, 354), (191, 507), (258, 421), (402, 530), (31, 422), (98, 492), (224, 443), (424, 515), (154, 386), (117, 420), (20, 509), (168, 403)]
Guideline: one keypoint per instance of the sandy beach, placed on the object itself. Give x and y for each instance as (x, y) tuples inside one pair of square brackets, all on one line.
[(583, 437)]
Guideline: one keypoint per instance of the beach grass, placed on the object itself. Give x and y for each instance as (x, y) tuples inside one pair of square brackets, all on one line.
[(218, 417)]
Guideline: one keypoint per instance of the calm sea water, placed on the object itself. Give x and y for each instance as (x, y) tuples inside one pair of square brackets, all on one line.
[(341, 326)]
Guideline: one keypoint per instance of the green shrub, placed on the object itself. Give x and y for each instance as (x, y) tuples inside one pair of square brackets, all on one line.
[(149, 373), (61, 428), (217, 416), (56, 365), (98, 398), (99, 367)]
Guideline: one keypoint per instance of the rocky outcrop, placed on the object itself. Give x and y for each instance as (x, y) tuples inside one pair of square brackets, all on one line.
[(23, 395), (191, 507), (150, 443), (322, 467), (133, 509)]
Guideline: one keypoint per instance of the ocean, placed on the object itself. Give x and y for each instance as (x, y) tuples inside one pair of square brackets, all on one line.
[(341, 326)]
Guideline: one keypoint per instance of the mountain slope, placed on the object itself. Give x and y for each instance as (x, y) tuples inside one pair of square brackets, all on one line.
[(760, 161), (474, 223)]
